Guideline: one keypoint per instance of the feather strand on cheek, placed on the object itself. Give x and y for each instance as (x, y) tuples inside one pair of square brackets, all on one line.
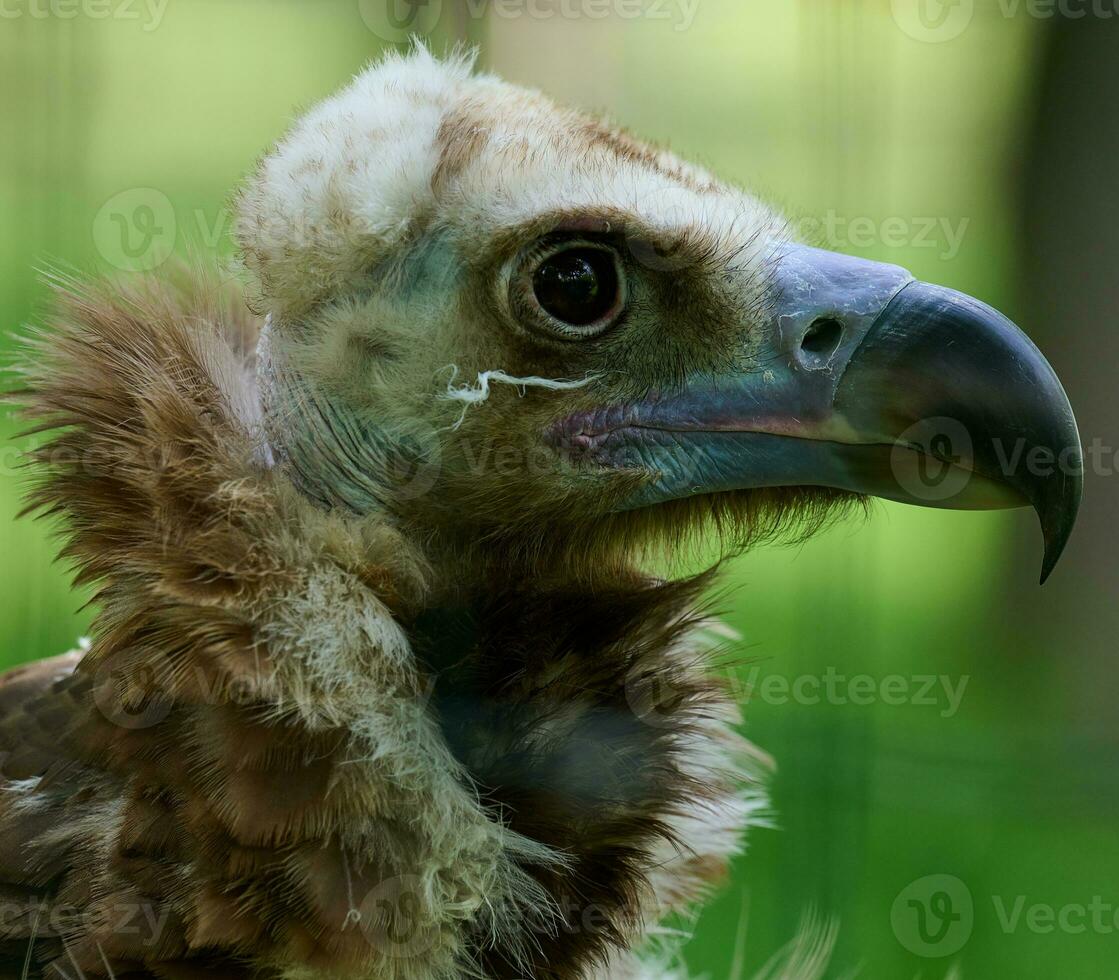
[(480, 391)]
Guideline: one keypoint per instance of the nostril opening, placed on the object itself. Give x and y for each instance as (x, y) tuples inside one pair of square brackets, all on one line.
[(822, 337)]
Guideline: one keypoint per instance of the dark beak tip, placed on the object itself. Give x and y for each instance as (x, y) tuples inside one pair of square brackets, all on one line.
[(1049, 562), (1058, 520), (1001, 388)]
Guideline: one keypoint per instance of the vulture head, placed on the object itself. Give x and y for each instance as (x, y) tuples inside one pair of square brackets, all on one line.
[(524, 333), (372, 586)]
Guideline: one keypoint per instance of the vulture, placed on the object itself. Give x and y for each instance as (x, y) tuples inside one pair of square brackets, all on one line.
[(387, 679)]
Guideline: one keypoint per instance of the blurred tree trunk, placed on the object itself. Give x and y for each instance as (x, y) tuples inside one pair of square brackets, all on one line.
[(1070, 249)]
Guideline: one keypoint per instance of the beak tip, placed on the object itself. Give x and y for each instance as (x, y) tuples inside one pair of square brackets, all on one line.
[(1057, 524)]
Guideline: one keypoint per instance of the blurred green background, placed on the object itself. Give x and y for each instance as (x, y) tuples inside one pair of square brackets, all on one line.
[(981, 156)]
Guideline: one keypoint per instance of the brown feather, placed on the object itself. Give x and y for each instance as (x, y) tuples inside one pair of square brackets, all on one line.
[(196, 794)]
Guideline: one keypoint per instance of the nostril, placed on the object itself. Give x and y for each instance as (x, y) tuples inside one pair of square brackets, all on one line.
[(822, 337)]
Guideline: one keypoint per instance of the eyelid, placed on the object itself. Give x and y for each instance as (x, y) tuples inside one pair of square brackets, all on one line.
[(551, 245), (586, 226)]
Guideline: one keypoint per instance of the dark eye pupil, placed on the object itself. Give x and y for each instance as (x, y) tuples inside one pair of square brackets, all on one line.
[(579, 286)]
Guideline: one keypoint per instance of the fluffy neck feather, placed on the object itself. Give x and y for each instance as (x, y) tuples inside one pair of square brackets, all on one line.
[(556, 766)]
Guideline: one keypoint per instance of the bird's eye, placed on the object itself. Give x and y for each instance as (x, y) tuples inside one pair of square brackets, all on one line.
[(579, 288)]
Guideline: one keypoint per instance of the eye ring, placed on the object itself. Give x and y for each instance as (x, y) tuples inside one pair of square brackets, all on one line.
[(574, 289)]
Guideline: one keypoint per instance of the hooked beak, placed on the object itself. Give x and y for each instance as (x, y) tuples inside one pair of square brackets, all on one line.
[(869, 381)]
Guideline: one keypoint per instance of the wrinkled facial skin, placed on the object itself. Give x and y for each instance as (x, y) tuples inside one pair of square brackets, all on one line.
[(445, 314), (686, 312)]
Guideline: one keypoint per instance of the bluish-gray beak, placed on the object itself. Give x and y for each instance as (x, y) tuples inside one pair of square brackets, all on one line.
[(870, 381)]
